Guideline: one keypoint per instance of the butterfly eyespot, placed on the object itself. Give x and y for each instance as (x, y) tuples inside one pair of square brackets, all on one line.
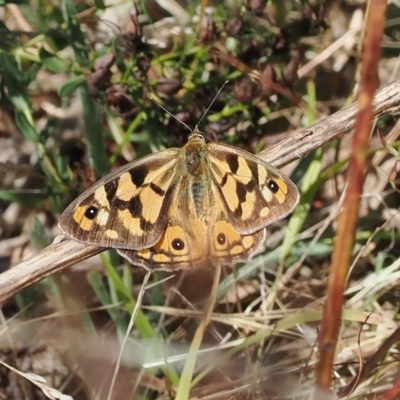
[(221, 238), (178, 244), (91, 212), (273, 186)]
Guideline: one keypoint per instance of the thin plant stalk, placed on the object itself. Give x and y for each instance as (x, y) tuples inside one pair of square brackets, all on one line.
[(347, 224)]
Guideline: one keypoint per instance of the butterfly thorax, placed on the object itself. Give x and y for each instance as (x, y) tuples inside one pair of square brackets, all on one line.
[(195, 156), (195, 180)]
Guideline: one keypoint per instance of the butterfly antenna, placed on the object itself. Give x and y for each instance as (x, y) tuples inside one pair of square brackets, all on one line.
[(212, 102), (202, 117), (170, 113)]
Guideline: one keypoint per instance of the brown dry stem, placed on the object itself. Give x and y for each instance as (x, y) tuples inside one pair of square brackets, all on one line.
[(347, 223)]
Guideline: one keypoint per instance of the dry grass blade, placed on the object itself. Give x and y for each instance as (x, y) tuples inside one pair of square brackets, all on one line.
[(373, 362), (48, 391)]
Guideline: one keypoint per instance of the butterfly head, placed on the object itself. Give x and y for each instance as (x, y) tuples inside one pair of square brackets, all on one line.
[(196, 135)]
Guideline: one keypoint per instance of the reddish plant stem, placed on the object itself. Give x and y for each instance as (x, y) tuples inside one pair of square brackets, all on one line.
[(393, 393), (348, 218)]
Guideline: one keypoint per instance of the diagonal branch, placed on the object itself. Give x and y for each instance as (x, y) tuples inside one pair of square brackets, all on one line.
[(386, 101), (56, 257)]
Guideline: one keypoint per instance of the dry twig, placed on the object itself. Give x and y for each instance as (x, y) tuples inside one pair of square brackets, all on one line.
[(59, 256), (348, 218)]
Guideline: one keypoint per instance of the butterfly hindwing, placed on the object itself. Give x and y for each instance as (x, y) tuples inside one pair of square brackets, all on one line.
[(185, 249), (228, 246), (181, 246)]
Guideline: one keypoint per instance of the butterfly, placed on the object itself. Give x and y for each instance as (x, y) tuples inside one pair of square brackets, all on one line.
[(205, 204)]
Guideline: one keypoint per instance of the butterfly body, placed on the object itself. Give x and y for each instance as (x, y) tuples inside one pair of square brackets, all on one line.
[(204, 204)]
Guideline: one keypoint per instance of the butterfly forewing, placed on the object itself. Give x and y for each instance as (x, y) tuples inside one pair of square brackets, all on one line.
[(126, 209), (253, 192)]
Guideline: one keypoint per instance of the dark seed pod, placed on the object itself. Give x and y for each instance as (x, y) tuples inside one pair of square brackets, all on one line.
[(256, 6), (168, 85), (234, 26), (208, 30)]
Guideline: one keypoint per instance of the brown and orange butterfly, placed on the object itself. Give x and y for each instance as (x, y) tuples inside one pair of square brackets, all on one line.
[(201, 205)]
